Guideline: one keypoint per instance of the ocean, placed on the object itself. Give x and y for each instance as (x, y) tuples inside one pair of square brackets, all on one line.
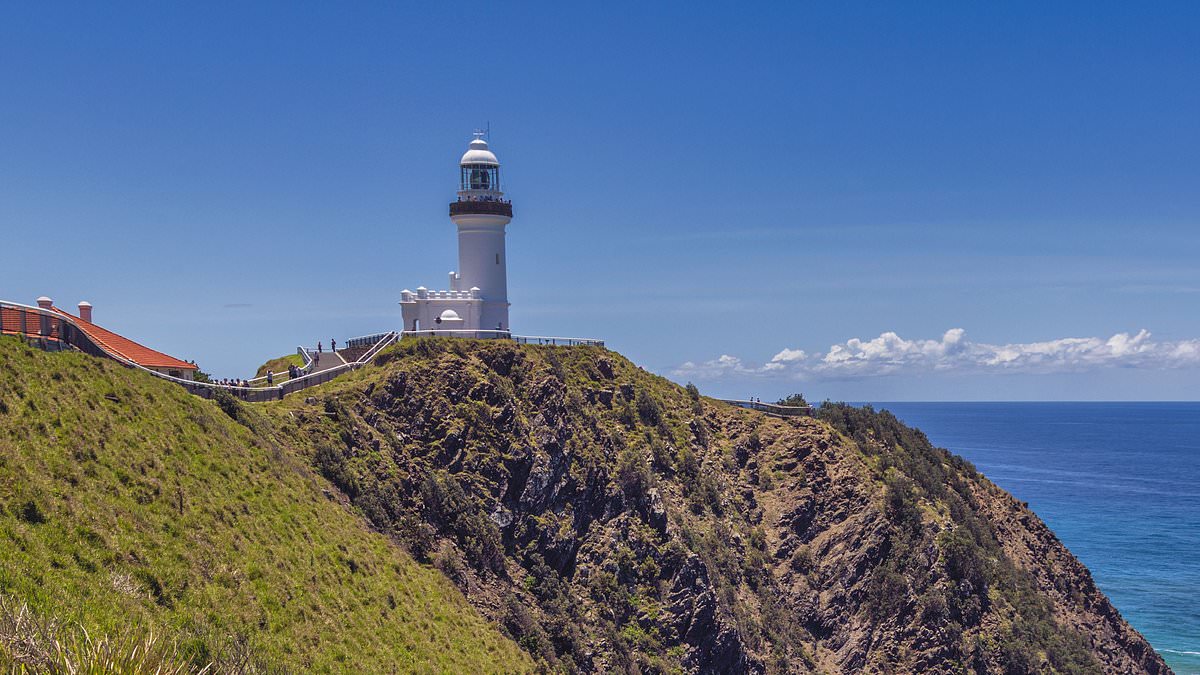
[(1119, 483)]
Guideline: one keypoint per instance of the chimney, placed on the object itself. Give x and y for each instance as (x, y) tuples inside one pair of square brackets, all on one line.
[(85, 311), (45, 303)]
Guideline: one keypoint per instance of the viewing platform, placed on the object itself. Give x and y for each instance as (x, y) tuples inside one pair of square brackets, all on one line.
[(772, 409), (423, 293), (505, 335), (490, 207)]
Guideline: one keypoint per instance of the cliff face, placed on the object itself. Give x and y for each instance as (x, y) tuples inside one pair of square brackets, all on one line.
[(612, 521), (143, 529)]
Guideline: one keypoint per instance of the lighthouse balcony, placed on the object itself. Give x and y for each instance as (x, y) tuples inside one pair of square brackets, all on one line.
[(424, 294), (482, 206)]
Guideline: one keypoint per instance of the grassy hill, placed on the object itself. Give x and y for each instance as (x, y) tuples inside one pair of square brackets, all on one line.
[(128, 506), (482, 506), (613, 521), (280, 365)]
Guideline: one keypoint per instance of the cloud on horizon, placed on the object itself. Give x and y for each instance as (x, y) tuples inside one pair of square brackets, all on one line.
[(890, 354)]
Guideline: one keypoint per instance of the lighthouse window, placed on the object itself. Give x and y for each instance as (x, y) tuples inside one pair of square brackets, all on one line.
[(497, 258), (480, 177)]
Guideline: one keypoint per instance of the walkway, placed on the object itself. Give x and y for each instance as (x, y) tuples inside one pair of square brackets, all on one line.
[(325, 361), (316, 371), (772, 409), (51, 329)]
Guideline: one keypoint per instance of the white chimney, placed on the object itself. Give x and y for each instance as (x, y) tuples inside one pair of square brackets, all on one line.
[(45, 303), (85, 311)]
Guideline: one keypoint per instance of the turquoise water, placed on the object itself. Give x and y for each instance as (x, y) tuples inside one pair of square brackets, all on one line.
[(1119, 483)]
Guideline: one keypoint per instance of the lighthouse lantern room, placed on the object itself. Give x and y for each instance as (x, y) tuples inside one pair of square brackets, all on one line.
[(477, 299)]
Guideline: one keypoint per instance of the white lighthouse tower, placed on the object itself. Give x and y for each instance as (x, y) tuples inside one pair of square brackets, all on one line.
[(478, 296)]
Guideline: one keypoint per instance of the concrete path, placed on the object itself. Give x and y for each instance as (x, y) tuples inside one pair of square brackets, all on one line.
[(328, 360)]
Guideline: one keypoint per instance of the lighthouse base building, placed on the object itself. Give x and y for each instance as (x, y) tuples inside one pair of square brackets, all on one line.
[(477, 299)]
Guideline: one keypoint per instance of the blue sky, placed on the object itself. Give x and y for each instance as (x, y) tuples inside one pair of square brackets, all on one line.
[(712, 188)]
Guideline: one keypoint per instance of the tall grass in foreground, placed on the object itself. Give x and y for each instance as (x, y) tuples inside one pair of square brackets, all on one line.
[(31, 644)]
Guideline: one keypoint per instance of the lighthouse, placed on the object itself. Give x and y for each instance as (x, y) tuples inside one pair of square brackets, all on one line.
[(477, 299)]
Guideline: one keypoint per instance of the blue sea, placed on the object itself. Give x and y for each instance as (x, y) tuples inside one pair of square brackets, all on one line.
[(1119, 483)]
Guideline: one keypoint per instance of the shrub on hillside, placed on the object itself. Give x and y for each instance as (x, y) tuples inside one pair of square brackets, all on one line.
[(648, 408), (633, 475), (228, 404)]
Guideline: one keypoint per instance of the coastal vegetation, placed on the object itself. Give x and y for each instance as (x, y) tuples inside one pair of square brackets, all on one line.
[(485, 506), (279, 366), (128, 507), (580, 501)]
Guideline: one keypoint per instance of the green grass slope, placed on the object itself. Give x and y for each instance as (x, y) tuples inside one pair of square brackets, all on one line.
[(280, 365), (127, 506)]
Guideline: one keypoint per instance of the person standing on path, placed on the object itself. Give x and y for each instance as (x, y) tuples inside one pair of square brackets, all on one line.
[(332, 345), (318, 346)]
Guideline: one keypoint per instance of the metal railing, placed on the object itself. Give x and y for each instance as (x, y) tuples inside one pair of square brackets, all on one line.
[(489, 207), (506, 335), (278, 391), (365, 341), (45, 328), (52, 326), (772, 408)]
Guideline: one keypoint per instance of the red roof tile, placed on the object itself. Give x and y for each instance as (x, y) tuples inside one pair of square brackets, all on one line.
[(123, 346)]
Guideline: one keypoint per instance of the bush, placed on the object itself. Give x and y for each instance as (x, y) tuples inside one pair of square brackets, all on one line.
[(964, 559), (481, 539), (633, 475), (417, 536), (648, 408), (228, 404), (31, 513), (887, 593), (627, 415), (933, 609), (900, 501), (802, 559), (688, 466), (525, 629), (794, 400), (447, 560), (444, 499)]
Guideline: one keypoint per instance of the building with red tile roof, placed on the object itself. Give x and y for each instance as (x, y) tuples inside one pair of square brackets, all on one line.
[(120, 346), (52, 332)]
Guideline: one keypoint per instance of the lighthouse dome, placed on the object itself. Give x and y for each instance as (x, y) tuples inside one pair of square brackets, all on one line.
[(479, 154)]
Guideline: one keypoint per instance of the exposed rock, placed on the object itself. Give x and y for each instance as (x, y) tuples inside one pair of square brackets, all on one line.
[(742, 544)]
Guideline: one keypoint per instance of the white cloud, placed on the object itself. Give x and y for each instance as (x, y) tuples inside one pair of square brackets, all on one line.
[(789, 355), (953, 352), (722, 365)]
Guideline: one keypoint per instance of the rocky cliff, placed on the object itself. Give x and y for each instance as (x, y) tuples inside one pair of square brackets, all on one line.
[(612, 521)]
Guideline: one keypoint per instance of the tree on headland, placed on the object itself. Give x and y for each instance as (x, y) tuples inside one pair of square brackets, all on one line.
[(796, 400)]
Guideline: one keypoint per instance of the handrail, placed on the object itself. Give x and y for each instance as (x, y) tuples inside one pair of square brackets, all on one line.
[(307, 356), (79, 339), (772, 408), (366, 340), (376, 341), (67, 318), (205, 389), (388, 339), (505, 335)]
